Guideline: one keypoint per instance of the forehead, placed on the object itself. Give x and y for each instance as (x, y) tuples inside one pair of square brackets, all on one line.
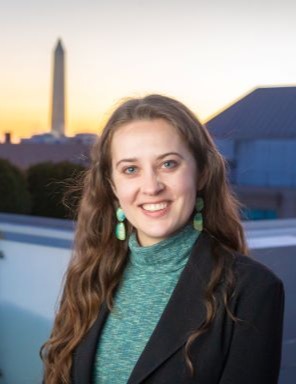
[(146, 137)]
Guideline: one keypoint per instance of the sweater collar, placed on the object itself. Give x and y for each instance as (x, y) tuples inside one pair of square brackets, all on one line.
[(168, 254)]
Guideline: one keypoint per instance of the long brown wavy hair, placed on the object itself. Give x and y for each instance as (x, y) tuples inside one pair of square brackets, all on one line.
[(99, 258)]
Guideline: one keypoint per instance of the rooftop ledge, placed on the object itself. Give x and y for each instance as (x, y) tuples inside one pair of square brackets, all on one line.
[(59, 233)]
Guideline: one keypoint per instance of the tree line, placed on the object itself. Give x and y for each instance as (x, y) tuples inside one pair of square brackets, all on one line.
[(45, 189)]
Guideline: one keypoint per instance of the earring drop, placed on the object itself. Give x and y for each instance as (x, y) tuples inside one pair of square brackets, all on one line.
[(120, 231), (198, 218)]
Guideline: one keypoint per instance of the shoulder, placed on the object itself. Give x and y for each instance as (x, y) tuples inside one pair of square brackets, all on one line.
[(249, 273), (256, 283), (253, 288), (248, 269)]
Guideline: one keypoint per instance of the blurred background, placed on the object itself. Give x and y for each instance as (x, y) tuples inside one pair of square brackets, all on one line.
[(65, 66)]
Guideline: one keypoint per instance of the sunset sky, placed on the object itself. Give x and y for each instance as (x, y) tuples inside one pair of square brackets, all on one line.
[(205, 53)]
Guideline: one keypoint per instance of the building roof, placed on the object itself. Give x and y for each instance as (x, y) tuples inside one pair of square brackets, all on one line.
[(265, 113)]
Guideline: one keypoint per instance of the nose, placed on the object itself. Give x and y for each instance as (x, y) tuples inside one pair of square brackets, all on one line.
[(151, 183)]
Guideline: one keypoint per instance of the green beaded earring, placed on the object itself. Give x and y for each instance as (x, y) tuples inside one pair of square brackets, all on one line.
[(120, 232), (198, 219)]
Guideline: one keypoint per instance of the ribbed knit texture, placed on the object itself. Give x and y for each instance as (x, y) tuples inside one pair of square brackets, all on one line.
[(148, 282)]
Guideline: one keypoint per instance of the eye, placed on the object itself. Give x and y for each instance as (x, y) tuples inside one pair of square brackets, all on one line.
[(129, 170), (170, 164)]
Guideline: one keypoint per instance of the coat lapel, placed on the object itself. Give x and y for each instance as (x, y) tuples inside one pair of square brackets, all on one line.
[(184, 313), (84, 354)]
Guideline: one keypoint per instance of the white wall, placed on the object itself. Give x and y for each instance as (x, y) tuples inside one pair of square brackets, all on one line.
[(31, 274)]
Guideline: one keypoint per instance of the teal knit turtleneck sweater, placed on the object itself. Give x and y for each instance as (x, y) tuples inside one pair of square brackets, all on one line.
[(148, 281)]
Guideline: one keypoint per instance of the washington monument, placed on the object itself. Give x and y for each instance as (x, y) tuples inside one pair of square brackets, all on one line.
[(58, 92)]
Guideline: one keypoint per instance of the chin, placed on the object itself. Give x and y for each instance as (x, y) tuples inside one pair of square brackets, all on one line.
[(161, 235)]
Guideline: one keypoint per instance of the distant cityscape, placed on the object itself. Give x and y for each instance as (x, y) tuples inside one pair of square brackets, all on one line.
[(55, 145), (58, 108), (256, 135)]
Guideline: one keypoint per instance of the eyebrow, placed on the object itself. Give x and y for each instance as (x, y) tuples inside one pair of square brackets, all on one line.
[(134, 159)]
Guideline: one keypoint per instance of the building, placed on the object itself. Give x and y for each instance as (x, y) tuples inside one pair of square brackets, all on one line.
[(257, 136), (58, 92), (52, 146), (26, 154)]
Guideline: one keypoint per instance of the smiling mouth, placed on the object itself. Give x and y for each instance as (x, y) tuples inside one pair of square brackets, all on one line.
[(154, 207)]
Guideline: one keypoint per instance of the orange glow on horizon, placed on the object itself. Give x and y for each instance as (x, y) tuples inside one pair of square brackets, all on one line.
[(20, 124)]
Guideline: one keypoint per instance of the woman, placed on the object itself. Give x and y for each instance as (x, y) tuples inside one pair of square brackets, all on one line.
[(160, 289)]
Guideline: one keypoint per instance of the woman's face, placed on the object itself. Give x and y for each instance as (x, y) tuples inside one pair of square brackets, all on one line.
[(154, 177)]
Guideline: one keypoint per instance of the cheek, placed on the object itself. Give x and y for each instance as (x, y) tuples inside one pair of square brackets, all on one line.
[(124, 193), (188, 197), (186, 186)]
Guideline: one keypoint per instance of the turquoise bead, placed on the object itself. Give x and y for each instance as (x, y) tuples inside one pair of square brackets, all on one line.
[(120, 231), (198, 222), (199, 205), (120, 214)]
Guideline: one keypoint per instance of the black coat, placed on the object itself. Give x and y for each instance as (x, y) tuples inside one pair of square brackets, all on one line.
[(229, 353)]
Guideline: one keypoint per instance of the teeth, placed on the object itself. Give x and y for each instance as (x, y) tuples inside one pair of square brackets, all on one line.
[(154, 207)]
